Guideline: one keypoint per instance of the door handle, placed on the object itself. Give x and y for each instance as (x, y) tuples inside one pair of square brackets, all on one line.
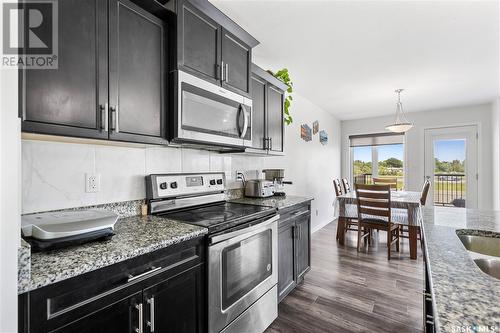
[(139, 308), (151, 322), (222, 67), (115, 122), (245, 121), (104, 116)]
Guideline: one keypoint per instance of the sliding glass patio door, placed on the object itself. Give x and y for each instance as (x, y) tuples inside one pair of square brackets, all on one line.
[(451, 166)]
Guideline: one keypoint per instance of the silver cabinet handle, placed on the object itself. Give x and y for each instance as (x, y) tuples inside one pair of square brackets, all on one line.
[(104, 116), (115, 122), (222, 71), (151, 271), (227, 72), (139, 308), (151, 322)]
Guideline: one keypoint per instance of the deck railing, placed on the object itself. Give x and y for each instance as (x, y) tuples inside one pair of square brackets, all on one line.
[(449, 189)]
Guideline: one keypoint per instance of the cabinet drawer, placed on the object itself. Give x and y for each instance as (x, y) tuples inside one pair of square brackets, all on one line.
[(293, 212), (63, 302)]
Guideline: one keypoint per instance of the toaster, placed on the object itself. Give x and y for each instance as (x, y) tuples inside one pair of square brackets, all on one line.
[(259, 188)]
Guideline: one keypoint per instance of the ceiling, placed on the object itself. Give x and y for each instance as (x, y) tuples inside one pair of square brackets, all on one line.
[(348, 57)]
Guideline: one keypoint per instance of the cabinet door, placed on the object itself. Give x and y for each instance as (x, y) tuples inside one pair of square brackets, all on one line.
[(258, 112), (198, 43), (176, 305), (120, 317), (67, 100), (236, 62), (275, 118), (302, 250), (137, 74), (286, 268)]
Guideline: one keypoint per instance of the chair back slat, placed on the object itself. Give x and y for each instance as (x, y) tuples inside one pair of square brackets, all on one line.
[(374, 212), (374, 200), (347, 187), (425, 191), (337, 187), (393, 182)]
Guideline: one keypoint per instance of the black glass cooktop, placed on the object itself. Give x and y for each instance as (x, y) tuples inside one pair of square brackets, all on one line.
[(220, 216)]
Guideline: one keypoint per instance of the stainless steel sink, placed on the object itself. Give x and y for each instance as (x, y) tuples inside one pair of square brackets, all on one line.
[(489, 246), (489, 266)]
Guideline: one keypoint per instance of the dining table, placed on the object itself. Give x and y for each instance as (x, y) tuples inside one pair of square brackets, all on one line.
[(407, 202)]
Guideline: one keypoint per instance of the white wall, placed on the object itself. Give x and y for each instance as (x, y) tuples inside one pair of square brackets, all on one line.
[(10, 203), (466, 115), (53, 173), (495, 110)]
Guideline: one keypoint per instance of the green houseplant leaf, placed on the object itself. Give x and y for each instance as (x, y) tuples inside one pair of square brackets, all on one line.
[(284, 77)]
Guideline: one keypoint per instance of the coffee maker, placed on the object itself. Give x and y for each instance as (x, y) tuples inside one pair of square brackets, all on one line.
[(277, 177)]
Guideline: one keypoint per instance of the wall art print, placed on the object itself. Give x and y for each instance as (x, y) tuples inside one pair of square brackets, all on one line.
[(305, 132), (323, 137), (316, 127)]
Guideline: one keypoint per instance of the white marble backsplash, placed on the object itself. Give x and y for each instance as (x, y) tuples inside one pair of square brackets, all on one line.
[(53, 173)]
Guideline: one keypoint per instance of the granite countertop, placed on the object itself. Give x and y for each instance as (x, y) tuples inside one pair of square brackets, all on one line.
[(276, 202), (135, 236), (465, 298)]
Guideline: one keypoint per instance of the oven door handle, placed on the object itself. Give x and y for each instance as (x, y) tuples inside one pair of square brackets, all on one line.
[(246, 231)]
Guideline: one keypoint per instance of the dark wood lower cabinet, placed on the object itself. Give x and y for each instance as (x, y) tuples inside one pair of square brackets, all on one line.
[(120, 317), (175, 305), (294, 247), (165, 294)]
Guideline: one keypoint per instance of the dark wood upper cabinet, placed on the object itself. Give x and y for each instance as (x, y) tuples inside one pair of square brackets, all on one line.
[(120, 317), (66, 100), (198, 43), (102, 44), (258, 88), (212, 47), (137, 74), (236, 63), (275, 122), (268, 128)]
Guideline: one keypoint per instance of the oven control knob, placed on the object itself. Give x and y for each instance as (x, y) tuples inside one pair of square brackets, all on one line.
[(163, 186), (212, 181), (173, 185), (219, 181)]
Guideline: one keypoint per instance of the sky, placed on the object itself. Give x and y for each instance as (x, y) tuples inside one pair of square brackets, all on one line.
[(444, 150)]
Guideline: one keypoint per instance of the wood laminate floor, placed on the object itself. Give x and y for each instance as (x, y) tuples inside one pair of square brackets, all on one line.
[(347, 291)]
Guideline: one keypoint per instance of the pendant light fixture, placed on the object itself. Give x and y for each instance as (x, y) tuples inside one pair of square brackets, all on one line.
[(401, 125)]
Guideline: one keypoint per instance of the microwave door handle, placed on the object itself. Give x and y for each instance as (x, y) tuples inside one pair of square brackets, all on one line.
[(245, 123)]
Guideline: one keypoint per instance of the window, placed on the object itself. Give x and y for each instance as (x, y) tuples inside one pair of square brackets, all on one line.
[(377, 156)]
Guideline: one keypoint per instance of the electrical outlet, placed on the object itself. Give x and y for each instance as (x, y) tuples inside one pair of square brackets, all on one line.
[(92, 182)]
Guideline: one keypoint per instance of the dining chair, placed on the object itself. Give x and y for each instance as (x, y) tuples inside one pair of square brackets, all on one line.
[(400, 216), (347, 187), (392, 182), (350, 210), (374, 213)]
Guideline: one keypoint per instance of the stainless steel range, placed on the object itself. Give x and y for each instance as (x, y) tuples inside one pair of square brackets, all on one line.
[(242, 247)]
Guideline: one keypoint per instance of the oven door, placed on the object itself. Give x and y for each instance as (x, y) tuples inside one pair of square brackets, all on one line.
[(211, 114), (242, 268)]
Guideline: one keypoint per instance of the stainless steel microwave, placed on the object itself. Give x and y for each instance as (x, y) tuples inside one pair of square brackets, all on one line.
[(209, 114)]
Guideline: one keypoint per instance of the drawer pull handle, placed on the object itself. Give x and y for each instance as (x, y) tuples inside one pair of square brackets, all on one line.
[(151, 271)]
